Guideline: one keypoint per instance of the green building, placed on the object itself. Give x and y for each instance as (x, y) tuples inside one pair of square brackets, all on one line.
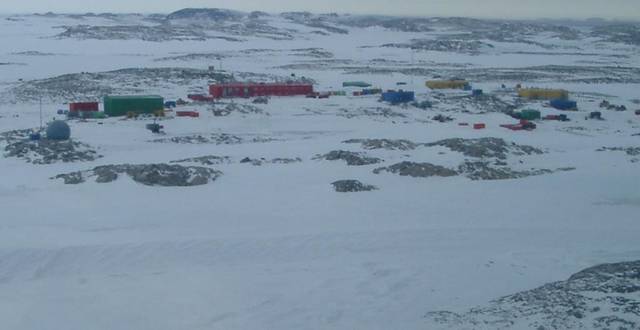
[(530, 114), (356, 84), (115, 106)]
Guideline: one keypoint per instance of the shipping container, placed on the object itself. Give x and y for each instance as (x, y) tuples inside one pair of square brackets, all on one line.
[(253, 90), (543, 94), (564, 104), (530, 114), (115, 106), (479, 126), (193, 114), (396, 97), (477, 92), (83, 106), (447, 84), (371, 91)]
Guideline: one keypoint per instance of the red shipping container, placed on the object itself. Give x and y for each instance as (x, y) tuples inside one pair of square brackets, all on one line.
[(193, 114), (83, 106), (479, 126)]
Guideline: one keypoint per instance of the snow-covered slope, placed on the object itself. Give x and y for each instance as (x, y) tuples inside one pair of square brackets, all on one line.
[(231, 221)]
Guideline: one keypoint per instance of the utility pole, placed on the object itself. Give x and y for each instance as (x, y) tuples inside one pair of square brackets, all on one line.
[(412, 67), (40, 111)]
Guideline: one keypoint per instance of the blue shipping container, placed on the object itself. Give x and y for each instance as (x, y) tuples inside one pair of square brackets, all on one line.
[(398, 97), (562, 104), (477, 92)]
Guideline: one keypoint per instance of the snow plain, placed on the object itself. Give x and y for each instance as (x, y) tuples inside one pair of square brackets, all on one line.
[(273, 246)]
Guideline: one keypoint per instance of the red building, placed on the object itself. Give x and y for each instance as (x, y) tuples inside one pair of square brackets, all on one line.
[(83, 106), (252, 90)]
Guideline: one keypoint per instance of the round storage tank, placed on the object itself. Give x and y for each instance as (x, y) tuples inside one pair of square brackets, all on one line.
[(58, 130)]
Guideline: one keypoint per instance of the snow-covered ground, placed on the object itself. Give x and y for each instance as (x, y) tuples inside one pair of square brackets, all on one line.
[(274, 246)]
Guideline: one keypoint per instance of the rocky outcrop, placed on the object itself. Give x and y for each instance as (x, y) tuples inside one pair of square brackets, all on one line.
[(352, 158), (345, 186), (600, 297), (485, 147), (417, 170), (146, 174), (386, 144)]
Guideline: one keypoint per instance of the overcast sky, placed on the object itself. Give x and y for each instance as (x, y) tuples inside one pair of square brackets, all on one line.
[(474, 8)]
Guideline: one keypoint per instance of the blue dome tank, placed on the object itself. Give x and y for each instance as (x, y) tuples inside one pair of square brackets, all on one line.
[(58, 130)]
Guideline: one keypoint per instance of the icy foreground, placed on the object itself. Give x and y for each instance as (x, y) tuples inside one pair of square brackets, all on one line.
[(338, 213)]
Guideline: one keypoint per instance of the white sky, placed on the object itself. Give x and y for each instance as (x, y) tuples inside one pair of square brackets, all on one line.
[(629, 9)]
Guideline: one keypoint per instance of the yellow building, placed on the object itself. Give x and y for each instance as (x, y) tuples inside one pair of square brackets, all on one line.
[(543, 94), (447, 84)]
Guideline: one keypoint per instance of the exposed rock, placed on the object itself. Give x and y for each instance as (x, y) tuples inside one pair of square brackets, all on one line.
[(221, 138), (485, 147), (451, 46), (417, 170), (631, 151), (352, 186), (236, 108), (155, 33), (96, 85), (370, 112), (214, 14), (46, 151), (479, 170), (261, 161), (384, 144), (352, 158), (206, 160), (601, 297), (151, 175)]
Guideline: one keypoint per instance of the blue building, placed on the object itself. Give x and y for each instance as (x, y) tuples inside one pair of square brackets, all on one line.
[(396, 97), (562, 104)]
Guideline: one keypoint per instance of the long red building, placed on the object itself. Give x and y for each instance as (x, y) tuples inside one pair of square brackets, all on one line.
[(254, 89)]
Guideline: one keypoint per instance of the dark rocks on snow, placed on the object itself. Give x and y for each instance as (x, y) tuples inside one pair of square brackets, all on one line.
[(344, 186), (237, 108), (600, 297), (151, 175), (262, 161), (205, 160), (631, 151), (484, 171), (218, 139), (384, 144), (417, 170), (51, 151), (352, 158), (485, 147)]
